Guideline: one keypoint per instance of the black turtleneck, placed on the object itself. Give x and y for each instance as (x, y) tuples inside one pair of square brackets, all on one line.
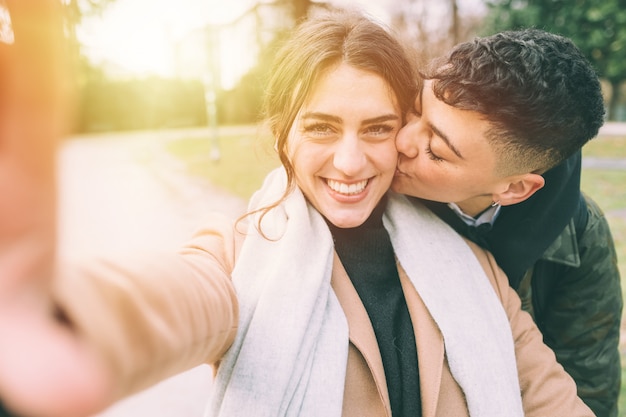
[(367, 256)]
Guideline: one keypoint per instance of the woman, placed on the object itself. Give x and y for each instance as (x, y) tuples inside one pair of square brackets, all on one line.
[(304, 306)]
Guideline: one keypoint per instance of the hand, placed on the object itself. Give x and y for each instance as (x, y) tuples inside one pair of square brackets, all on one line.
[(46, 370)]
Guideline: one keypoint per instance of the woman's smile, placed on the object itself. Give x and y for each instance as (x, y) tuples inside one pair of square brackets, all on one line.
[(347, 188)]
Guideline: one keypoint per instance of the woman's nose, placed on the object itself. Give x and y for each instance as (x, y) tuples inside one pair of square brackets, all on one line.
[(349, 157)]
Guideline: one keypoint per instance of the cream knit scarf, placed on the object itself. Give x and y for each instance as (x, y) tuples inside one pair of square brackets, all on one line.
[(289, 357)]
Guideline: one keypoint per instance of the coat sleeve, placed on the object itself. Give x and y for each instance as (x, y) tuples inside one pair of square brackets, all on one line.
[(581, 320), (151, 316), (547, 390)]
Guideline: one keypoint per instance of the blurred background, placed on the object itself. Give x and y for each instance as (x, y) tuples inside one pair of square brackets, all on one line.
[(152, 64), (167, 104)]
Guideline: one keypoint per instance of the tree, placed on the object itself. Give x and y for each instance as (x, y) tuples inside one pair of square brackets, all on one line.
[(273, 20), (432, 27), (73, 13), (598, 28), (300, 9)]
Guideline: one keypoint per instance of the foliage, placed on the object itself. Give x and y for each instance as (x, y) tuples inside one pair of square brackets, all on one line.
[(148, 103), (74, 11), (106, 104), (77, 9), (598, 28), (431, 27), (243, 104)]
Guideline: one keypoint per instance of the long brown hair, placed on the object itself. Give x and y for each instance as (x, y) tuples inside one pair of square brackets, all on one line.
[(317, 44)]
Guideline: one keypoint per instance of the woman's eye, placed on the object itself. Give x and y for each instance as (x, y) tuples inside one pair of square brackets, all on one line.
[(318, 129), (431, 155), (379, 130)]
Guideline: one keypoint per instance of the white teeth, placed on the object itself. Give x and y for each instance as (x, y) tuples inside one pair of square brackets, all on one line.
[(347, 189)]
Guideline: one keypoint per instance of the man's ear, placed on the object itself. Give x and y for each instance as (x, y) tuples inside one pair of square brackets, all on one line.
[(520, 188)]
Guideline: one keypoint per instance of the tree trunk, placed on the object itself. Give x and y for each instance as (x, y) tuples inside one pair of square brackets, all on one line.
[(454, 29), (615, 99), (301, 9)]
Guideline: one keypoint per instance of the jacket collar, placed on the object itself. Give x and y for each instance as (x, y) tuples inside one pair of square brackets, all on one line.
[(430, 347), (360, 328), (428, 338), (564, 249)]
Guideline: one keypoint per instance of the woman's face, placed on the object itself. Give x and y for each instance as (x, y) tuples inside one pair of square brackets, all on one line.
[(342, 144)]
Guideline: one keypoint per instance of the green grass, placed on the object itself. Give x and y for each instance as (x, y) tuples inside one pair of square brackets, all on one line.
[(608, 189), (606, 147), (246, 159)]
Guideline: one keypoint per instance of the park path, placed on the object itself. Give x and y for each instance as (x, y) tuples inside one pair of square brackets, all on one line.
[(126, 191), (123, 191)]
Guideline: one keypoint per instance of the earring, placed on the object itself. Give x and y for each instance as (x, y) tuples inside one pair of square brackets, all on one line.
[(495, 203)]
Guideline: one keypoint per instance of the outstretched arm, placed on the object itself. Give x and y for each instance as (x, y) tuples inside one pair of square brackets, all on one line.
[(33, 108)]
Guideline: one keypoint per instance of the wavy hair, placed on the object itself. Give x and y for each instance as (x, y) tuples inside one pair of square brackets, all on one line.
[(540, 93), (318, 44)]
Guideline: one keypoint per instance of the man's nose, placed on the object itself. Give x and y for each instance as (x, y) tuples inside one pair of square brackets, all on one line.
[(407, 138)]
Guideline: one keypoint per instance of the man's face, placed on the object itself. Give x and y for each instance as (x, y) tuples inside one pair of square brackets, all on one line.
[(444, 155)]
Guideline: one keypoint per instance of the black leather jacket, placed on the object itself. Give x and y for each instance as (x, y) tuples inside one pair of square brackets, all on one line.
[(558, 252)]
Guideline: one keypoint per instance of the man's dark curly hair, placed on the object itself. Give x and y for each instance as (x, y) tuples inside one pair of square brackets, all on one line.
[(541, 94)]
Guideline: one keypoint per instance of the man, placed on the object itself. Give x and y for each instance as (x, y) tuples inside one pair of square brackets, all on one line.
[(494, 150)]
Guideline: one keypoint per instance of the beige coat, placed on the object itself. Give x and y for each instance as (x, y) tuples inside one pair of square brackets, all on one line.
[(155, 316)]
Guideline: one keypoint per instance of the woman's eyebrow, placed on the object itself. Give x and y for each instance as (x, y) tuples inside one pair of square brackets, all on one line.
[(383, 118), (322, 116), (336, 119)]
